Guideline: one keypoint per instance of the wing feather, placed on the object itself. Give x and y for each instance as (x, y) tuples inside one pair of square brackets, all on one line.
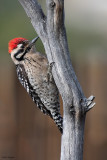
[(22, 76)]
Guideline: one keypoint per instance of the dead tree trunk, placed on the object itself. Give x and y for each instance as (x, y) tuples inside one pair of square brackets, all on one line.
[(52, 32)]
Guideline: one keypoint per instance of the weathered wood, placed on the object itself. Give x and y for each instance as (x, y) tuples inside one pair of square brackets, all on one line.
[(36, 15), (52, 32)]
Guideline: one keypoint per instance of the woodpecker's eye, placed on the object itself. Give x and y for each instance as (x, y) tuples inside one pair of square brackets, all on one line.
[(28, 49)]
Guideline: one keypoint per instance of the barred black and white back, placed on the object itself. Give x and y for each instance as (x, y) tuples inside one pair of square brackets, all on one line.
[(55, 113)]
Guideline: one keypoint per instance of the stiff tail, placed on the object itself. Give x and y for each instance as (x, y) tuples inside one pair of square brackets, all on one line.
[(58, 120)]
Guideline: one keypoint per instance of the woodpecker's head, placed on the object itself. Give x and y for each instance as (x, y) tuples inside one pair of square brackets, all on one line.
[(19, 47)]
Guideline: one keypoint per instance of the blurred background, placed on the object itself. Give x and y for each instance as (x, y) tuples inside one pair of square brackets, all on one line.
[(27, 134)]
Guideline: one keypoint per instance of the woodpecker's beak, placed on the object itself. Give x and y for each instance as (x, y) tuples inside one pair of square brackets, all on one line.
[(31, 43)]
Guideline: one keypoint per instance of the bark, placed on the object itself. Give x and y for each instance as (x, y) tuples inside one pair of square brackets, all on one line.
[(51, 30)]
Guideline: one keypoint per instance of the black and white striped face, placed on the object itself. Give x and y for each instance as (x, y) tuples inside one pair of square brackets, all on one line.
[(19, 52)]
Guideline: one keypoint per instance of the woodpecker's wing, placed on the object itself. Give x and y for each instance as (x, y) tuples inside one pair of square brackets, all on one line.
[(22, 76)]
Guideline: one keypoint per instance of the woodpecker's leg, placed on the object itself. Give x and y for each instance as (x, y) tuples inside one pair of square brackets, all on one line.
[(49, 74)]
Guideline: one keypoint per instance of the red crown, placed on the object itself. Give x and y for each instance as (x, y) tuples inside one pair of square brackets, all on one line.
[(14, 42)]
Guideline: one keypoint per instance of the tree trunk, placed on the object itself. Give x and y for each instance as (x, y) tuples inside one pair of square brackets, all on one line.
[(52, 32)]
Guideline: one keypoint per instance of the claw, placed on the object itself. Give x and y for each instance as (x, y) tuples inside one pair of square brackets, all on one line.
[(50, 76)]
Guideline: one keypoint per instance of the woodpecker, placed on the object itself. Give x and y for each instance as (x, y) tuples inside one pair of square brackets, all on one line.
[(34, 73)]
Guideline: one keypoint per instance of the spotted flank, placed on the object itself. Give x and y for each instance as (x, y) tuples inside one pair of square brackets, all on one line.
[(54, 112), (25, 83)]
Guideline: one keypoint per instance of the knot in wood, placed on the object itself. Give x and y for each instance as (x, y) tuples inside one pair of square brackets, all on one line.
[(52, 4)]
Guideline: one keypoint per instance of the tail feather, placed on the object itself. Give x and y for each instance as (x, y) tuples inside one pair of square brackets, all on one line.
[(58, 121)]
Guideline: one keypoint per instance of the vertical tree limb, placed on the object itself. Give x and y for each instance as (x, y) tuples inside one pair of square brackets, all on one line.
[(52, 32)]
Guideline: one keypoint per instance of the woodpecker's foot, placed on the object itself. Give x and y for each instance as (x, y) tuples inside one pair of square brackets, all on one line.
[(50, 76), (88, 103), (51, 64)]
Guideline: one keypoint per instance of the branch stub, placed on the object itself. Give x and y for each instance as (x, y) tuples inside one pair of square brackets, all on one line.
[(52, 5)]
